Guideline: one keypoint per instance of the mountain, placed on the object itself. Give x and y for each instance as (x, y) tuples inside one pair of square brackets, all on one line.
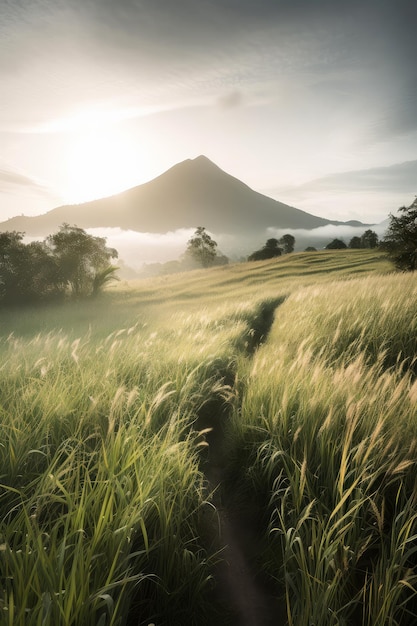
[(192, 193)]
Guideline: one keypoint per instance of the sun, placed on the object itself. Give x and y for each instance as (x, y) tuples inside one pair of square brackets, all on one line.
[(102, 162)]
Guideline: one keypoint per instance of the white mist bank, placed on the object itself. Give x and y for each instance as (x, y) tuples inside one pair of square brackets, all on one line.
[(137, 249)]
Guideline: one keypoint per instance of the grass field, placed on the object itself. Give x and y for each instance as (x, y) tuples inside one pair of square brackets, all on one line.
[(105, 511)]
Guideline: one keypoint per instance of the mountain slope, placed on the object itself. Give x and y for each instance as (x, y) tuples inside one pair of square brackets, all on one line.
[(192, 193)]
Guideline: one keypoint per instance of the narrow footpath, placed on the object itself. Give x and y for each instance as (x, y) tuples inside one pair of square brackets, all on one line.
[(242, 595), (240, 592)]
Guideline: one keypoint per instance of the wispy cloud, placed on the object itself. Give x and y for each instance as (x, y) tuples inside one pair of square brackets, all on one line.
[(398, 177), (10, 179), (94, 118), (366, 195)]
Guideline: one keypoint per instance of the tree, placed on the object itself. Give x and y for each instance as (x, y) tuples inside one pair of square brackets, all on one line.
[(13, 263), (400, 241), (27, 272), (369, 239), (202, 248), (42, 275), (287, 241), (355, 243), (310, 249), (269, 251), (81, 260), (336, 244), (71, 261)]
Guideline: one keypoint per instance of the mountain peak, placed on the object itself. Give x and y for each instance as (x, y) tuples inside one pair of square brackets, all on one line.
[(201, 161), (195, 191)]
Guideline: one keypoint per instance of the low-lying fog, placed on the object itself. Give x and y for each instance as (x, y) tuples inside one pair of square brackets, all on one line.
[(137, 249)]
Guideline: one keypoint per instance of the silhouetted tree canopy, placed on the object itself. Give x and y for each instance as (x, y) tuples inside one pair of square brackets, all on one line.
[(336, 244), (355, 243), (369, 239), (269, 251), (310, 249), (287, 242), (400, 240), (71, 262), (202, 248)]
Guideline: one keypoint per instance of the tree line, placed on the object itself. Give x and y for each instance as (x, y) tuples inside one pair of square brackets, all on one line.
[(73, 264), (69, 263), (369, 239), (399, 242)]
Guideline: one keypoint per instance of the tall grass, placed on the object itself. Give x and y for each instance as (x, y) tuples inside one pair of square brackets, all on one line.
[(102, 498), (103, 503), (377, 317), (327, 435)]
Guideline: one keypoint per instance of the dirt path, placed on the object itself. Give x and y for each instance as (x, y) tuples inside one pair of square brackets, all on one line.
[(243, 597), (246, 600)]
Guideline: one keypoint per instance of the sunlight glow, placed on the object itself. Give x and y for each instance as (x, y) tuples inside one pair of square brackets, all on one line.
[(101, 163)]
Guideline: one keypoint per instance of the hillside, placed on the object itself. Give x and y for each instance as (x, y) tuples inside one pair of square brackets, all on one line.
[(193, 192)]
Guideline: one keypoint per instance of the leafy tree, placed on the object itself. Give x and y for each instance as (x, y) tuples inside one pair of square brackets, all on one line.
[(287, 241), (400, 240), (13, 263), (69, 261), (42, 275), (202, 248), (82, 260), (369, 239), (355, 242), (27, 272), (310, 249), (336, 244), (269, 251)]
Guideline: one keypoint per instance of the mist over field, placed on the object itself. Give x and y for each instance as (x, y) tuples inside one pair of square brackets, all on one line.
[(136, 249)]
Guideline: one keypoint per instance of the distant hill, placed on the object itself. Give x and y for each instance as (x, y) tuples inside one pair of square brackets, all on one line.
[(193, 193)]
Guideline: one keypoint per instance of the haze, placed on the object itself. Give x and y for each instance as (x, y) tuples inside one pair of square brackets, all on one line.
[(312, 103)]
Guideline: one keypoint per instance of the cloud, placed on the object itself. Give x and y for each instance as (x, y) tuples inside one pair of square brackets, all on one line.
[(398, 177), (9, 180), (158, 51), (367, 195), (136, 248), (231, 100)]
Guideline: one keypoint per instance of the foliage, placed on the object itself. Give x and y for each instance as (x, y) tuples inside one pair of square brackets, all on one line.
[(27, 272), (70, 261), (287, 242), (369, 239), (202, 248), (355, 243), (274, 248), (400, 240), (82, 259), (336, 244), (310, 249), (269, 251)]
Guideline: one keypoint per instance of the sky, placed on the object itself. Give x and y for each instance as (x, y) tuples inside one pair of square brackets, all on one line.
[(312, 102)]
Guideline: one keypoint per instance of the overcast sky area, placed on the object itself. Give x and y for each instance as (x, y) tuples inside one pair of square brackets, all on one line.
[(312, 102)]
